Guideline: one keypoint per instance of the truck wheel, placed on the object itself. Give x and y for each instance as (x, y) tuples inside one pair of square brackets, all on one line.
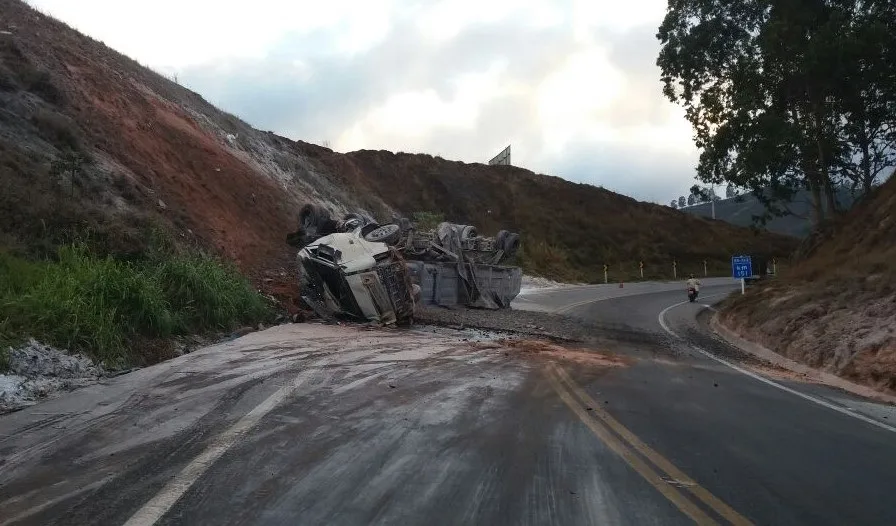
[(511, 244), (388, 234), (312, 216), (468, 232), (499, 239)]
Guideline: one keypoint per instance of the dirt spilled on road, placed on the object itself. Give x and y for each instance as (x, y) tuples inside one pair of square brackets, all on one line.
[(544, 350)]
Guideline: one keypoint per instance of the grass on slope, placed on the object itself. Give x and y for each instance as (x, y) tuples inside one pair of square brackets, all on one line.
[(106, 307)]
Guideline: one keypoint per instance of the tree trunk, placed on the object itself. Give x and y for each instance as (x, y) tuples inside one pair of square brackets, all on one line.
[(817, 207), (831, 196), (823, 173), (810, 171), (867, 178)]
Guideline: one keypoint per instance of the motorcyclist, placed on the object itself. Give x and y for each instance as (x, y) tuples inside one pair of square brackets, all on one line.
[(693, 283)]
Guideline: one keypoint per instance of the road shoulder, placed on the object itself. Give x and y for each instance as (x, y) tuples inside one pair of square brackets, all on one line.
[(815, 375)]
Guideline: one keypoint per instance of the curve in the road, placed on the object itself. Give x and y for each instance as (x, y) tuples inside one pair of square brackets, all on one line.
[(840, 409)]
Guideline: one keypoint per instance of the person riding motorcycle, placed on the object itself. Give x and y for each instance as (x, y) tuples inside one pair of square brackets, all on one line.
[(693, 284)]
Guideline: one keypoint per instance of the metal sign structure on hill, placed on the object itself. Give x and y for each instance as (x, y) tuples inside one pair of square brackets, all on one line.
[(742, 268), (502, 158)]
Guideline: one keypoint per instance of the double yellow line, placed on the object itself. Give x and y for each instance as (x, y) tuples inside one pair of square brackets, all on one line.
[(644, 460)]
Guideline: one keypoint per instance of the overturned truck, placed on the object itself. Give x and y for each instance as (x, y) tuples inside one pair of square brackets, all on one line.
[(357, 268)]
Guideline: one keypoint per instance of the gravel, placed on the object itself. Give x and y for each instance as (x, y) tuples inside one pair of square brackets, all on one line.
[(38, 371), (536, 324)]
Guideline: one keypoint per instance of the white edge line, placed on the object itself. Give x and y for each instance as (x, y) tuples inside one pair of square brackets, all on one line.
[(751, 374), (159, 505)]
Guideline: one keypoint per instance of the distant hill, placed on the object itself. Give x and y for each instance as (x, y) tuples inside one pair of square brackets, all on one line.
[(740, 211)]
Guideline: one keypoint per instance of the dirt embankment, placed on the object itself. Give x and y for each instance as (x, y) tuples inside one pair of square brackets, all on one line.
[(835, 309)]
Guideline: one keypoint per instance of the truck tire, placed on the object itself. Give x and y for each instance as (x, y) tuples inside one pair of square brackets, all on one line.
[(368, 228), (468, 232), (387, 234), (313, 216), (511, 244), (499, 239)]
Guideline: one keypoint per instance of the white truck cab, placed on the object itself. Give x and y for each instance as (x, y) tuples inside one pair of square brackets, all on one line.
[(357, 278)]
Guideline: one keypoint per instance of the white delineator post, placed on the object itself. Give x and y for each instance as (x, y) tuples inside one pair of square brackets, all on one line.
[(743, 286)]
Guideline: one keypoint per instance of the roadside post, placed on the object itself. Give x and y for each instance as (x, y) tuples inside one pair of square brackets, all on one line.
[(742, 268), (705, 269), (674, 269), (606, 279), (641, 267)]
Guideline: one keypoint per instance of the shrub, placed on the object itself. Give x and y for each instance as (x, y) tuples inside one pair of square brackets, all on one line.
[(544, 259), (103, 306), (208, 294), (41, 84), (59, 130), (427, 220)]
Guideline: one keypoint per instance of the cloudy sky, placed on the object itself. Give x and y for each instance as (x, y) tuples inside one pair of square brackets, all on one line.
[(571, 85)]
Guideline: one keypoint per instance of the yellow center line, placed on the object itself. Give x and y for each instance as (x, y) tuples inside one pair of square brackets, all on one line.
[(658, 460), (630, 457)]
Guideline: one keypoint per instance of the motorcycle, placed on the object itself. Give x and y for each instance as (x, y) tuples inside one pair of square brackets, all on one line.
[(692, 294)]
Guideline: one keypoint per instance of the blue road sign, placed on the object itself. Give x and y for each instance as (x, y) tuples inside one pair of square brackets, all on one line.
[(741, 267)]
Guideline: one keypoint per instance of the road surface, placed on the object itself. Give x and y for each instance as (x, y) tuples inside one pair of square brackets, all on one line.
[(314, 424)]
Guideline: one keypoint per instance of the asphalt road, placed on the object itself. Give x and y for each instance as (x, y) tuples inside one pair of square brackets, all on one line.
[(313, 424)]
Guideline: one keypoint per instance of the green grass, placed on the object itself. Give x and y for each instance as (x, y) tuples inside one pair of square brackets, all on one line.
[(4, 359), (427, 220), (103, 306)]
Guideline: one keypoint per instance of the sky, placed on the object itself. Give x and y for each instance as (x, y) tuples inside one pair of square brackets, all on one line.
[(572, 85)]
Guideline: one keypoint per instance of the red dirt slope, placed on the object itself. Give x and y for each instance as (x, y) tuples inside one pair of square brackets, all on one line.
[(155, 143)]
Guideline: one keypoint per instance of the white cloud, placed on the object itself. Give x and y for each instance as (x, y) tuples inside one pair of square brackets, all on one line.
[(572, 85), (571, 98), (173, 34)]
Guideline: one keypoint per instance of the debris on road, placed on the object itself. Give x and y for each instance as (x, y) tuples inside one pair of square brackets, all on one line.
[(38, 371), (362, 270), (551, 351)]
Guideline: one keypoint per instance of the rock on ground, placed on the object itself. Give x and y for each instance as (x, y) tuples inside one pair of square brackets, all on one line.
[(537, 282), (38, 371)]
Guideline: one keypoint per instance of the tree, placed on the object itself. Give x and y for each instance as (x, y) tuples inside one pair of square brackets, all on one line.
[(783, 95), (730, 192), (682, 202), (674, 203), (692, 200), (702, 194)]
